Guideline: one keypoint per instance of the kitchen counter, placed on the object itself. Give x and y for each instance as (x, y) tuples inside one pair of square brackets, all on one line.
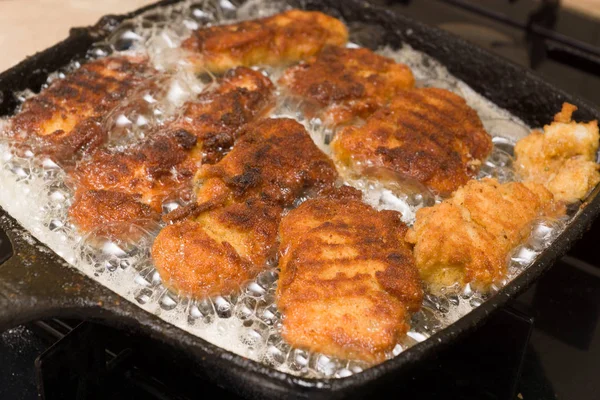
[(28, 26)]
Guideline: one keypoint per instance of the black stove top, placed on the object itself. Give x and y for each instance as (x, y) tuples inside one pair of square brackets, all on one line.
[(545, 345)]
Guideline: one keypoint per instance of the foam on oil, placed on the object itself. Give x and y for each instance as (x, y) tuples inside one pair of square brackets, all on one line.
[(35, 192)]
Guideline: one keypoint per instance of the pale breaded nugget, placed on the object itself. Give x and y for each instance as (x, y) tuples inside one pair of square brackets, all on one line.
[(468, 237), (281, 39), (164, 164), (340, 84), (231, 232), (429, 135), (348, 281), (66, 117), (562, 158)]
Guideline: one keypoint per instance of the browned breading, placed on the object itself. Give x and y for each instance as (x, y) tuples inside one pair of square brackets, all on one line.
[(220, 250), (65, 118), (430, 135), (151, 170), (340, 84), (232, 230), (563, 158), (468, 237), (163, 165), (109, 213), (280, 39), (275, 159), (348, 280), (217, 116)]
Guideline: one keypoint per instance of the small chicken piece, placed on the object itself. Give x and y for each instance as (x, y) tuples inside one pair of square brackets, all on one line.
[(429, 135), (217, 116), (110, 214), (275, 159), (340, 84), (348, 281), (281, 39), (468, 237), (150, 170), (148, 173), (216, 253), (230, 234), (66, 117), (563, 158)]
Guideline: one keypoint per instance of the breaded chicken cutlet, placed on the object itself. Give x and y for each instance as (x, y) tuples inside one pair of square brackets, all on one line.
[(281, 39), (348, 281), (130, 185), (468, 237), (426, 134), (562, 158), (116, 188), (227, 237), (216, 116), (66, 117), (340, 84)]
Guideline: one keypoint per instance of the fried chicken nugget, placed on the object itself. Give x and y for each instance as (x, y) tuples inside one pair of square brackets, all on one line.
[(348, 281), (281, 39), (340, 84), (230, 234), (468, 237), (562, 158), (218, 115), (65, 118), (427, 134), (134, 182)]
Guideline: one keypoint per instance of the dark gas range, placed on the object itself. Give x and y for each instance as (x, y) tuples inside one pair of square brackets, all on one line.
[(545, 345)]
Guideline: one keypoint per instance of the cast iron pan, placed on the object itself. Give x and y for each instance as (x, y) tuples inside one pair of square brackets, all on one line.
[(35, 283)]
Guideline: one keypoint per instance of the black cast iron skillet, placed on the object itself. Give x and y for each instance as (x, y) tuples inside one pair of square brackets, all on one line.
[(35, 283)]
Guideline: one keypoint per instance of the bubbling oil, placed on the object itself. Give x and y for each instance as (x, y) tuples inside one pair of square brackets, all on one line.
[(37, 192)]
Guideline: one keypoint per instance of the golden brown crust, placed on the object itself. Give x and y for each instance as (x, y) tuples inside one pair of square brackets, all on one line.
[(164, 164), (280, 39), (65, 118), (468, 237), (231, 232), (563, 158), (340, 84), (108, 213), (427, 134), (276, 160), (218, 252), (217, 116), (348, 281), (151, 170)]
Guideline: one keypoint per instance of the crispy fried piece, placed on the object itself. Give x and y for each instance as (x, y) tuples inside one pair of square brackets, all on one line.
[(231, 232), (275, 159), (563, 158), (109, 213), (348, 280), (468, 237), (280, 39), (430, 135), (217, 116), (153, 170), (65, 118), (150, 170), (218, 251), (340, 84)]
